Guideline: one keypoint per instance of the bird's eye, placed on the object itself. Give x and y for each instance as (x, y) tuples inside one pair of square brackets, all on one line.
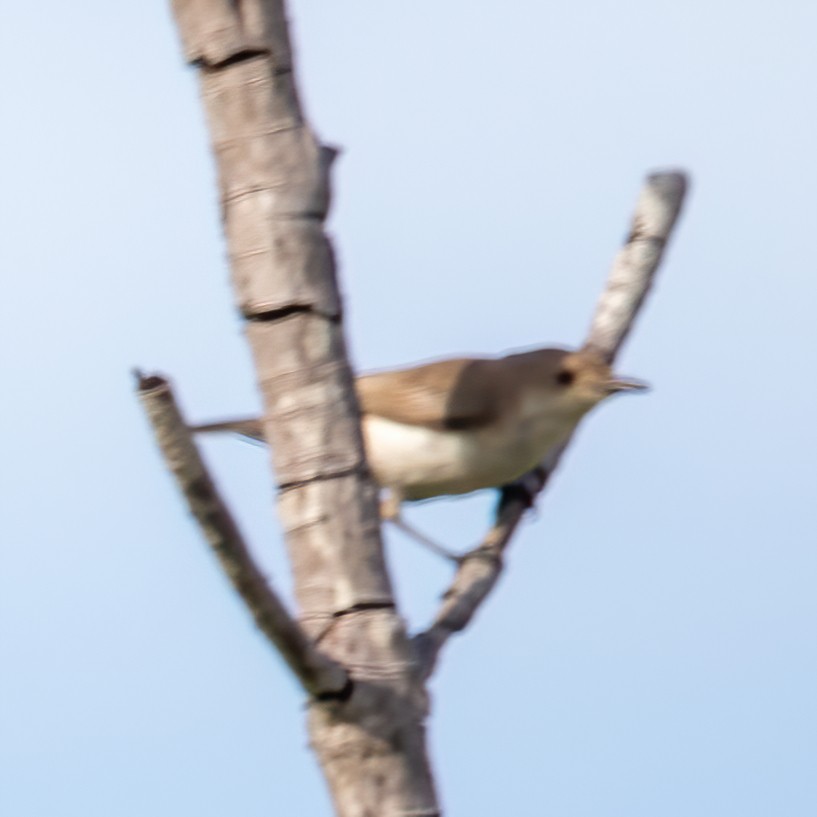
[(564, 377)]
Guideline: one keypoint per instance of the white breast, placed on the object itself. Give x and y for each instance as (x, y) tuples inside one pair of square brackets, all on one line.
[(421, 462)]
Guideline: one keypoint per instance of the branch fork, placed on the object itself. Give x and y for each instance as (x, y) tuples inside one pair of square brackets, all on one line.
[(321, 676), (275, 193)]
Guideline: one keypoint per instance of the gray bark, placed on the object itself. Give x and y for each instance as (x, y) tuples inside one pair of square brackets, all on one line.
[(273, 175)]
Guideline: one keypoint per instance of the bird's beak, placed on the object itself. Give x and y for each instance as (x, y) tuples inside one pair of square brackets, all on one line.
[(618, 384)]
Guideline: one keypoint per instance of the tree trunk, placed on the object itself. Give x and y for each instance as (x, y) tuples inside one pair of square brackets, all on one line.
[(370, 738)]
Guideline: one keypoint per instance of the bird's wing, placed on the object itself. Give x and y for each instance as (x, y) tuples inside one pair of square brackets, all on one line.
[(456, 394), (451, 394)]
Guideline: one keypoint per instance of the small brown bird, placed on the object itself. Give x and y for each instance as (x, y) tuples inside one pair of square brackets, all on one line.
[(459, 425)]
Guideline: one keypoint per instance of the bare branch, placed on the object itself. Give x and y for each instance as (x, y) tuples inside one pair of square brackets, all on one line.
[(320, 675), (627, 285), (479, 570), (634, 267)]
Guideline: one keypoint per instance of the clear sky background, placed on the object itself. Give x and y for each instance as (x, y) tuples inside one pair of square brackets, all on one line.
[(651, 649)]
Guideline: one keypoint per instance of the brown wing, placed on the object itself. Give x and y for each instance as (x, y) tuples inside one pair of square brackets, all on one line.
[(450, 394)]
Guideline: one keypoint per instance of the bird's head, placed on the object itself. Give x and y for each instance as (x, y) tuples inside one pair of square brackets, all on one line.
[(583, 379)]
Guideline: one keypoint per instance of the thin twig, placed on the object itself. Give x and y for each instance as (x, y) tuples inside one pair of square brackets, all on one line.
[(320, 675), (630, 278)]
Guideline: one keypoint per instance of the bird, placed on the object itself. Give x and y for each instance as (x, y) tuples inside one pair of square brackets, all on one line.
[(464, 424)]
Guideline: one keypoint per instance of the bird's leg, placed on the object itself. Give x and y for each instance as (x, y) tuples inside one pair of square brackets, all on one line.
[(424, 540), (524, 489), (390, 512)]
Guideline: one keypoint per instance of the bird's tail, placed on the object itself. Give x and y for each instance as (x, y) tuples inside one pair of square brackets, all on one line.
[(246, 427)]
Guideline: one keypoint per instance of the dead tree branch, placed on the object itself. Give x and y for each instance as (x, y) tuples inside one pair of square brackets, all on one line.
[(634, 267), (320, 675), (630, 279)]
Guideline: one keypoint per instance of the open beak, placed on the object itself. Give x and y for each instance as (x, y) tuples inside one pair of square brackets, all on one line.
[(620, 384)]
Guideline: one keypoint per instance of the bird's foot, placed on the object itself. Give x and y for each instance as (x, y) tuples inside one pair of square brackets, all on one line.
[(524, 489)]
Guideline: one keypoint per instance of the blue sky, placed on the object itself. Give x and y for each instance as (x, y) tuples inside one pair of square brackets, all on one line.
[(651, 647)]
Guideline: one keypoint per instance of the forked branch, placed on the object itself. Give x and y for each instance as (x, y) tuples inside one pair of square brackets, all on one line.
[(320, 675)]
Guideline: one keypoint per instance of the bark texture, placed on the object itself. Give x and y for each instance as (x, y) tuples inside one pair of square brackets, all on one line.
[(274, 184)]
